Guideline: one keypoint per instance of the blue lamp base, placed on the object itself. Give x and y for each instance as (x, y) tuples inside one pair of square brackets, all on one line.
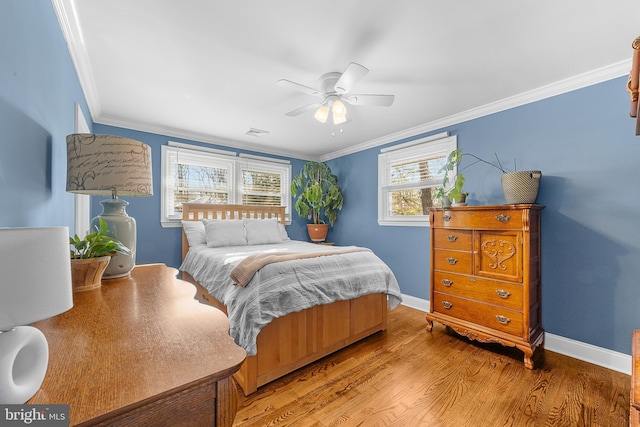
[(122, 227)]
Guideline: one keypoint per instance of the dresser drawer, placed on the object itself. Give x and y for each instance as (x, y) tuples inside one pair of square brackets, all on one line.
[(490, 219), (503, 294), (452, 239), (494, 317), (455, 261)]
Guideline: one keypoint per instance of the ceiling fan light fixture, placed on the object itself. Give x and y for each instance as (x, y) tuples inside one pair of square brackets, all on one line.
[(322, 113), (339, 119), (335, 89), (339, 112), (339, 108)]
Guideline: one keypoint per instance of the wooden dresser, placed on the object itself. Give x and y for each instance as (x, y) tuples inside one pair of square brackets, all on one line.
[(140, 351), (485, 274)]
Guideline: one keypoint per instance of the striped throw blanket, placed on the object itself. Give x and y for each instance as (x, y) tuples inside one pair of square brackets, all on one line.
[(247, 268)]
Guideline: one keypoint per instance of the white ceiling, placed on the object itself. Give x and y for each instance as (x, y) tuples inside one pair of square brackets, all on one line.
[(206, 70)]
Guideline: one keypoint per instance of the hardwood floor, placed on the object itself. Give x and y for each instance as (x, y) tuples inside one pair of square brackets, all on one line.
[(409, 377)]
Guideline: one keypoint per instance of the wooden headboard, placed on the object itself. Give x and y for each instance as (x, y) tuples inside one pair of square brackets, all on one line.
[(198, 211)]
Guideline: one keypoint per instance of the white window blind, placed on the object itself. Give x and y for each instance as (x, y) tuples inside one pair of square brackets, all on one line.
[(408, 179), (201, 175), (264, 183)]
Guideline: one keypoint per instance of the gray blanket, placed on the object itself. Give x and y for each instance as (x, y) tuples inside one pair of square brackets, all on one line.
[(285, 287)]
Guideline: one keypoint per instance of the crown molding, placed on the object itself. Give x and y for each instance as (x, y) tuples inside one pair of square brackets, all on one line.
[(199, 137), (558, 88), (73, 35), (76, 46)]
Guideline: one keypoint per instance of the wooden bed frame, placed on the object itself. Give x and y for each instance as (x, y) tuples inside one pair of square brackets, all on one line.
[(297, 339)]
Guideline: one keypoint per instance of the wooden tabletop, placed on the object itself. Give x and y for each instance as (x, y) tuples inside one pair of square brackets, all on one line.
[(134, 340)]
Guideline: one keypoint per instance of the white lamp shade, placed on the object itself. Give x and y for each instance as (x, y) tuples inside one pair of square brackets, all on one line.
[(104, 165), (35, 274)]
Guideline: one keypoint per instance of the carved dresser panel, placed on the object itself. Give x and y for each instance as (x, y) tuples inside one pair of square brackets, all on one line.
[(485, 274)]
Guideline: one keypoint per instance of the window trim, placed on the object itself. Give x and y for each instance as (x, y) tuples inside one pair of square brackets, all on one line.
[(439, 143), (268, 165), (236, 162)]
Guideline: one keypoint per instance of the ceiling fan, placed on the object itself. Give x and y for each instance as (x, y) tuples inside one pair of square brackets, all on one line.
[(335, 90)]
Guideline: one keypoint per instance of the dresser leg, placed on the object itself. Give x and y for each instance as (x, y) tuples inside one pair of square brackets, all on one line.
[(528, 359), (429, 325)]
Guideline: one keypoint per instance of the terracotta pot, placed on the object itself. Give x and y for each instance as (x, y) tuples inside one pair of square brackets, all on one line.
[(86, 274), (317, 232)]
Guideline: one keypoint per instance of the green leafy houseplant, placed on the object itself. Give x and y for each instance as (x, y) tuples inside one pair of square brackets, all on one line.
[(320, 197), (96, 244), (454, 192)]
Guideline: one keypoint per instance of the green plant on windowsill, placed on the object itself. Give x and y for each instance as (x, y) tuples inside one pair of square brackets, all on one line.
[(96, 244), (448, 193)]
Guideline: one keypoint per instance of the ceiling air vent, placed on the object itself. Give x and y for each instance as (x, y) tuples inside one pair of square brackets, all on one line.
[(256, 132)]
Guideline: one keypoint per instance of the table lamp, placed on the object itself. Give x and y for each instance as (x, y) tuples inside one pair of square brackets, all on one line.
[(35, 284), (105, 165)]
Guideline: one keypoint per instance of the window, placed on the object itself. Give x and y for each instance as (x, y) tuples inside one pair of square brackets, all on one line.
[(409, 177), (206, 175), (264, 183)]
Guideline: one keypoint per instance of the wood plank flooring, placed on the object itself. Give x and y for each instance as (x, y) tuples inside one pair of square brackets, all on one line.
[(409, 377)]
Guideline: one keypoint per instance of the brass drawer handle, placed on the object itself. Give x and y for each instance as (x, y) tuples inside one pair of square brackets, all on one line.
[(503, 319), (447, 282), (503, 218), (446, 217), (447, 304), (452, 238), (502, 293), (452, 261)]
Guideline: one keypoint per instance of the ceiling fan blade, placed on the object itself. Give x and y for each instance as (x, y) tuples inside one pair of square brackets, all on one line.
[(302, 110), (299, 87), (376, 100), (350, 77)]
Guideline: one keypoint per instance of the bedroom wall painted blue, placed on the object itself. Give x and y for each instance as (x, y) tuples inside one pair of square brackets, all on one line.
[(38, 91), (582, 141), (155, 243), (584, 144)]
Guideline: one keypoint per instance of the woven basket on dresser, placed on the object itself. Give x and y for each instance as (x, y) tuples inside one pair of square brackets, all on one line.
[(521, 187)]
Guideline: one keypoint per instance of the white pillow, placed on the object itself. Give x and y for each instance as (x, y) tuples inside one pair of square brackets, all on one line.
[(283, 232), (224, 232), (194, 230), (262, 231)]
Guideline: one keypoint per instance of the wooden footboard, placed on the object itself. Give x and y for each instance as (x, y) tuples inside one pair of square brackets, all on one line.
[(297, 339)]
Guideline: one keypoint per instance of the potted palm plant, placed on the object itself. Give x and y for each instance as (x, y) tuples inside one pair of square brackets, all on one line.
[(91, 255), (319, 200)]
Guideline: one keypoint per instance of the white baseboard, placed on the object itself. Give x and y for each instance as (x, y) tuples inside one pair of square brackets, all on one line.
[(414, 302), (589, 353), (578, 350)]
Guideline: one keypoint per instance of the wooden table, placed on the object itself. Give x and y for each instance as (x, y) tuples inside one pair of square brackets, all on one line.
[(634, 412), (140, 351)]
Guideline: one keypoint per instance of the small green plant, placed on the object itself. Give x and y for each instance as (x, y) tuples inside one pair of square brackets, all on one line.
[(320, 197), (446, 191), (96, 244), (453, 192)]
